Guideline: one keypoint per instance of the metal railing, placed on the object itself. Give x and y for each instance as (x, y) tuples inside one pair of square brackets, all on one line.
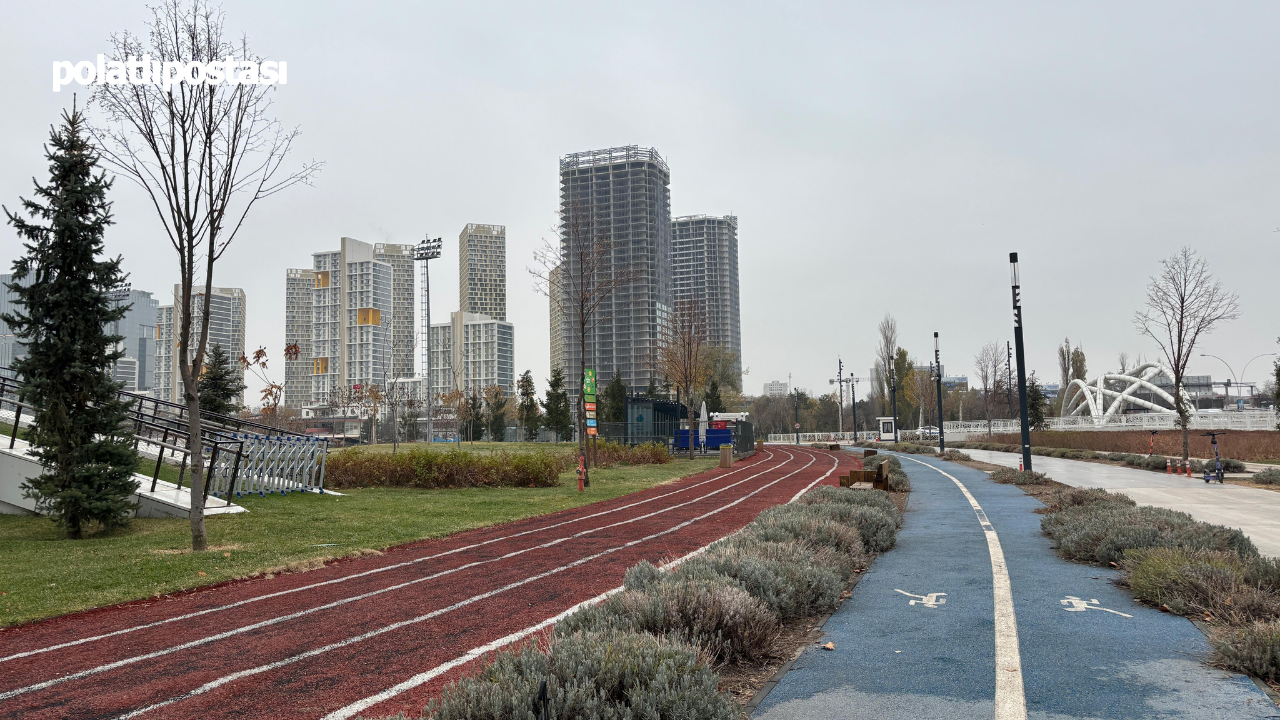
[(241, 456), (1228, 420)]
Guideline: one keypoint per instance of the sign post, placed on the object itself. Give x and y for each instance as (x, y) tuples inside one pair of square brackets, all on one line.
[(589, 414)]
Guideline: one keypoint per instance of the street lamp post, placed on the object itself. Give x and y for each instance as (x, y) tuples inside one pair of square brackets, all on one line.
[(1233, 372), (893, 397), (937, 358), (840, 381), (426, 251), (797, 394), (1022, 364)]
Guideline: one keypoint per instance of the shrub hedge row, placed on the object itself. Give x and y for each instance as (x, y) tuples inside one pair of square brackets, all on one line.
[(424, 467), (649, 651), (1180, 565)]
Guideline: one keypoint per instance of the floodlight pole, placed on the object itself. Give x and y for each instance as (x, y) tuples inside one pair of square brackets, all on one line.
[(426, 251), (937, 358), (1022, 366)]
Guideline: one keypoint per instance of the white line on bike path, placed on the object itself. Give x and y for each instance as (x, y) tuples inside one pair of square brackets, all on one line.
[(1010, 701)]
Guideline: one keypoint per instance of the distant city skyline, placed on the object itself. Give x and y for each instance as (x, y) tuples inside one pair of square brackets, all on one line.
[(886, 159)]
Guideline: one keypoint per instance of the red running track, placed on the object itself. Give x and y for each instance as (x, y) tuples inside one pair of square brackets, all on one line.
[(375, 635)]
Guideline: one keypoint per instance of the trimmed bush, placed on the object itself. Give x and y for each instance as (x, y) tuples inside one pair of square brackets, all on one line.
[(1199, 581), (1253, 649), (1103, 532), (955, 456), (783, 524), (1270, 476), (1009, 476), (609, 454), (423, 467), (1075, 497), (784, 577), (611, 675), (852, 496), (712, 613)]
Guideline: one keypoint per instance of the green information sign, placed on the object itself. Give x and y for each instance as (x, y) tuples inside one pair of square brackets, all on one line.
[(589, 382)]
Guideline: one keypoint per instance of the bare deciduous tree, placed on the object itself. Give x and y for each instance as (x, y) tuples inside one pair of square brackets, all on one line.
[(885, 353), (682, 353), (986, 364), (578, 272), (1183, 302), (204, 154)]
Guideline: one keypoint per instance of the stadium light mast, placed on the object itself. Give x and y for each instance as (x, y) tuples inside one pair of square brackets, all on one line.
[(425, 252), (1016, 282)]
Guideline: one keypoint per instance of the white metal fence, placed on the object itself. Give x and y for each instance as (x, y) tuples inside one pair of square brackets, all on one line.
[(1254, 420)]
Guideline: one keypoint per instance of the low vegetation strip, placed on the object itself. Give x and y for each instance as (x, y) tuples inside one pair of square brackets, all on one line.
[(425, 466), (653, 650), (1247, 445), (1208, 572)]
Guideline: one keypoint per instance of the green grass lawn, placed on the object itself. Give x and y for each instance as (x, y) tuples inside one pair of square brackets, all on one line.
[(42, 574)]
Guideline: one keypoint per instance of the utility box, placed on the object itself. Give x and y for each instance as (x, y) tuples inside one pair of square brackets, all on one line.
[(726, 456), (888, 428)]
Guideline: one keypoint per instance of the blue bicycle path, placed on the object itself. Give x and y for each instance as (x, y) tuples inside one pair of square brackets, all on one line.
[(894, 659)]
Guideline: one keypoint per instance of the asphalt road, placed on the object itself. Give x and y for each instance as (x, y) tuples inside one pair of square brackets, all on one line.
[(1254, 511), (1071, 657)]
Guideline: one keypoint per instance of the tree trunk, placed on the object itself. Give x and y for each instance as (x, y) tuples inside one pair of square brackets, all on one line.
[(688, 393), (195, 448)]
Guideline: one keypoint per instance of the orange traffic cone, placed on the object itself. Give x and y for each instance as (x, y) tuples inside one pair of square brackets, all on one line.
[(1168, 466)]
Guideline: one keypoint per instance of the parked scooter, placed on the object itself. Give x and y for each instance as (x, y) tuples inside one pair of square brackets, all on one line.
[(1212, 474)]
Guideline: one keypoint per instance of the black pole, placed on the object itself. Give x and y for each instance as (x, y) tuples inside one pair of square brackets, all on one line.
[(797, 392), (1022, 364), (893, 396), (937, 358)]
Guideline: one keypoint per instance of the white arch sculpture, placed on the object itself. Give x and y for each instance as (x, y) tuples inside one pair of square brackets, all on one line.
[(1094, 395)]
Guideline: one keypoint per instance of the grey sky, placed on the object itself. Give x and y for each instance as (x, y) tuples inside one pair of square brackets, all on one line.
[(881, 157)]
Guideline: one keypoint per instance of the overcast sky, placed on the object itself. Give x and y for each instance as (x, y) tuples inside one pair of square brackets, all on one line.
[(881, 157)]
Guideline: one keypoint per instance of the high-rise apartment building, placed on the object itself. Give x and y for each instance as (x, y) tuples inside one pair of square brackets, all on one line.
[(403, 333), (620, 196), (227, 313), (138, 337), (482, 270), (704, 269), (10, 348), (472, 352), (298, 287), (775, 389), (361, 317), (556, 280)]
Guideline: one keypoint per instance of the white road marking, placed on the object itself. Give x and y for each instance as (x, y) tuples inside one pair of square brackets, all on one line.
[(215, 684), (931, 600), (374, 571), (300, 613), (1011, 699), (1075, 604), (424, 677)]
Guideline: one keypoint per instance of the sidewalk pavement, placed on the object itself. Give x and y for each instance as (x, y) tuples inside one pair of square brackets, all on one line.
[(1254, 511)]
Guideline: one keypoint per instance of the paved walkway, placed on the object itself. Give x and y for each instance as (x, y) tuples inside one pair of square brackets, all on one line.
[(1071, 658), (1256, 512)]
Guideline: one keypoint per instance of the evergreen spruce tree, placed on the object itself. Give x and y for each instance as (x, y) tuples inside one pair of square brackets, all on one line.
[(615, 401), (558, 417), (528, 413), (652, 392), (1037, 403), (61, 315), (714, 403), (221, 383)]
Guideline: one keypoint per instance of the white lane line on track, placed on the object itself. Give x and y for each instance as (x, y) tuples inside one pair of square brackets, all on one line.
[(215, 684), (1011, 699), (300, 613), (360, 706), (374, 571)]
